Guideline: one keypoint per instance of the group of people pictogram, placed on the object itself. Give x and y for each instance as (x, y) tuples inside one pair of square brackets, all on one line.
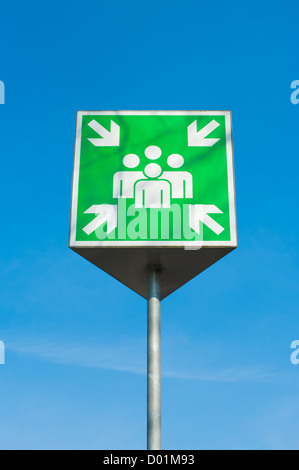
[(152, 187)]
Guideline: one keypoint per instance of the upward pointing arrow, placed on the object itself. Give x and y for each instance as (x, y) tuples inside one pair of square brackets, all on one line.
[(198, 139), (107, 213), (199, 213), (109, 139)]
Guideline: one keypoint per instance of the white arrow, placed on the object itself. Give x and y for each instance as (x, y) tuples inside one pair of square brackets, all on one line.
[(109, 139), (199, 213), (107, 213), (198, 139)]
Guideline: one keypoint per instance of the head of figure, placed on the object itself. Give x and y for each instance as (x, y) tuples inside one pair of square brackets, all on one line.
[(175, 160), (152, 170), (131, 160)]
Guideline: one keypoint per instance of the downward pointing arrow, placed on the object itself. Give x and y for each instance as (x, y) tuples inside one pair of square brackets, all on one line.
[(107, 213), (109, 139), (199, 213), (198, 139)]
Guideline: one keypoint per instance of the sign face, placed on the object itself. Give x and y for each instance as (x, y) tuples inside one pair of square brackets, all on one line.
[(152, 180)]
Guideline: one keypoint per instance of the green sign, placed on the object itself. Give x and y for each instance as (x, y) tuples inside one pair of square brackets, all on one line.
[(153, 188), (153, 178)]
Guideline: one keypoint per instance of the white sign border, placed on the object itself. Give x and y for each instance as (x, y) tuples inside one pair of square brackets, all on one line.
[(73, 243)]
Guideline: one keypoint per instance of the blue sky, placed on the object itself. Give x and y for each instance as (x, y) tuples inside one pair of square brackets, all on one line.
[(75, 339)]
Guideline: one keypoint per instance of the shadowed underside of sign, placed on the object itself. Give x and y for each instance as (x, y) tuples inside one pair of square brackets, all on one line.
[(131, 265)]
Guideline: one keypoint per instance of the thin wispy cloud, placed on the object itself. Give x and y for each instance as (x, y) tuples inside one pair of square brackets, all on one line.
[(130, 356)]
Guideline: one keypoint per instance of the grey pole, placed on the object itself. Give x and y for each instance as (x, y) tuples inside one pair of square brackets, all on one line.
[(153, 362)]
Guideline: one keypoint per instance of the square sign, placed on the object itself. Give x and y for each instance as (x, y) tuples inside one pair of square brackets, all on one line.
[(159, 185)]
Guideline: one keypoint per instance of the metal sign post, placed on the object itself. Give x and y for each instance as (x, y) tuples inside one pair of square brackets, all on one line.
[(154, 361), (153, 205)]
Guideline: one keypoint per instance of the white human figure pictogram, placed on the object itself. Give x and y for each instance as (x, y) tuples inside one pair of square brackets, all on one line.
[(152, 188), (181, 181), (124, 181), (152, 193)]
